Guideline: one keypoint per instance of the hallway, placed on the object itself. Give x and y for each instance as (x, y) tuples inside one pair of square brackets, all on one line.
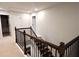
[(8, 48)]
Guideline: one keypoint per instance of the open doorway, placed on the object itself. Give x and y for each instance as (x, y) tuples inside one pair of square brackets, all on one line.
[(5, 25), (34, 23)]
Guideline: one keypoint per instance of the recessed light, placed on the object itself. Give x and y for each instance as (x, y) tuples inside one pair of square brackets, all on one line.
[(28, 11), (33, 14), (36, 9), (1, 8)]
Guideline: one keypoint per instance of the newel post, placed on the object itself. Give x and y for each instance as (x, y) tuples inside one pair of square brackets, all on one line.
[(61, 49), (16, 34), (24, 42)]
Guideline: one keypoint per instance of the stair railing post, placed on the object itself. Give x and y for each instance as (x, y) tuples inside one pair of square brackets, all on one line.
[(16, 34), (61, 49), (24, 42)]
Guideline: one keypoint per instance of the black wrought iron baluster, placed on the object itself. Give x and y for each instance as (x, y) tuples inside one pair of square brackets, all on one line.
[(42, 48), (16, 34), (39, 48), (24, 42)]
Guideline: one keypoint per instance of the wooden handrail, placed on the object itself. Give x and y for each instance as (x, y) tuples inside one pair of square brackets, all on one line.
[(23, 28), (72, 42), (28, 28), (50, 44), (35, 38), (66, 45)]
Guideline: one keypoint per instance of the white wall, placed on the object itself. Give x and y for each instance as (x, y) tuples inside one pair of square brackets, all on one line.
[(59, 23), (15, 19), (56, 24)]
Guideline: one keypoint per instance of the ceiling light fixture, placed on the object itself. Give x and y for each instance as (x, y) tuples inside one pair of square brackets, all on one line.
[(1, 8), (33, 14), (36, 9), (28, 11)]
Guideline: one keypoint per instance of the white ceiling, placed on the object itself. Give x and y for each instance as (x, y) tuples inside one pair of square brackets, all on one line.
[(26, 6)]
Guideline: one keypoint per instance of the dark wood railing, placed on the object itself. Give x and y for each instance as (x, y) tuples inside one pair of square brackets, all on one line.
[(72, 42), (71, 48), (61, 50)]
